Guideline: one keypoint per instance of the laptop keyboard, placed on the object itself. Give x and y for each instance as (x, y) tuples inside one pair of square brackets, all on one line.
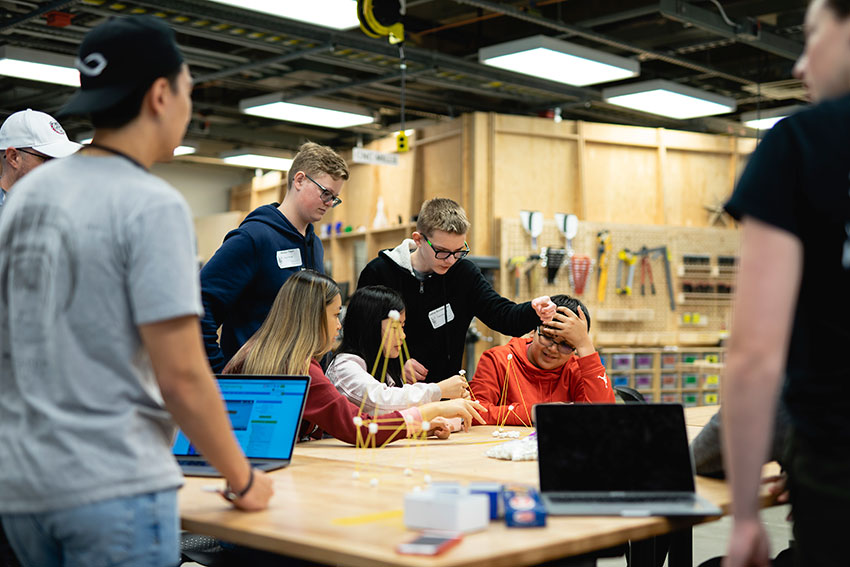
[(190, 463), (578, 498)]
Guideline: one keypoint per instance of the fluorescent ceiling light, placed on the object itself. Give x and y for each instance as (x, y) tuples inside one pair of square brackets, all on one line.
[(38, 66), (667, 98), (178, 151), (184, 150), (336, 14), (307, 111), (560, 61), (767, 118), (247, 158)]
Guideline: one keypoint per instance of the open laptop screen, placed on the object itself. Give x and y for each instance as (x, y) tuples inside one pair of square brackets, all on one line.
[(613, 447), (265, 412)]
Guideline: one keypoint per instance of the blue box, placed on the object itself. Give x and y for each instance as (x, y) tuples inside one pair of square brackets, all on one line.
[(493, 490), (523, 507)]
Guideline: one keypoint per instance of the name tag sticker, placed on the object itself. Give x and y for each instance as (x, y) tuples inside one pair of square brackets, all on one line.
[(438, 316), (288, 258)]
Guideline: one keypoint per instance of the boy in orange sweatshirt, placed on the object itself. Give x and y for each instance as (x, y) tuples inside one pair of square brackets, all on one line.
[(557, 364)]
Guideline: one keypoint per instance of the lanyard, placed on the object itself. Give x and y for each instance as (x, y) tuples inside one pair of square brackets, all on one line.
[(117, 153)]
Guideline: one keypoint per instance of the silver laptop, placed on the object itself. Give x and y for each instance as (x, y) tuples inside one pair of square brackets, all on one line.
[(265, 413), (616, 460)]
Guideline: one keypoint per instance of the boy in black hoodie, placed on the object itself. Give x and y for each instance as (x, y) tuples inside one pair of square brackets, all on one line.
[(442, 292), (241, 280)]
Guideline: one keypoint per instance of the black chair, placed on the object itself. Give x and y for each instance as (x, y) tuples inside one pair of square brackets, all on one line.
[(629, 395)]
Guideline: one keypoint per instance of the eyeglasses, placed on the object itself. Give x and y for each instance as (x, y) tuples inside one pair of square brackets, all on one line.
[(548, 342), (444, 254), (326, 196), (42, 156)]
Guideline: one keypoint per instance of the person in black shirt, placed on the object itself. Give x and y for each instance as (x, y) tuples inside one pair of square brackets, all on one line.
[(443, 292), (792, 310)]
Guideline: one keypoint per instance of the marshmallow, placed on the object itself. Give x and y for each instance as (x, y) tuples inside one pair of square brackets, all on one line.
[(358, 421), (394, 315), (373, 428)]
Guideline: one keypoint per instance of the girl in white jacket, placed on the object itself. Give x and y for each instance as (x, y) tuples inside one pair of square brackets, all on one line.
[(366, 321)]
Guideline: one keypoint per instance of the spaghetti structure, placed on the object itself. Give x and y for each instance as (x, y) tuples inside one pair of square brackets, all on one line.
[(417, 433), (502, 420)]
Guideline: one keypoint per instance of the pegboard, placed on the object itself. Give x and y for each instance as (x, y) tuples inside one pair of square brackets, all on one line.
[(633, 319)]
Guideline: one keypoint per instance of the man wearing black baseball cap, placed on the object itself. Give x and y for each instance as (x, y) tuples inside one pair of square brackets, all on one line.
[(99, 332)]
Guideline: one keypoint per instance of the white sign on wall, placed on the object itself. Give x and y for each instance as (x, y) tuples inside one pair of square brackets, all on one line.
[(362, 155)]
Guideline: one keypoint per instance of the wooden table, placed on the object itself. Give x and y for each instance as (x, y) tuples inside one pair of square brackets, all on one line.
[(321, 513)]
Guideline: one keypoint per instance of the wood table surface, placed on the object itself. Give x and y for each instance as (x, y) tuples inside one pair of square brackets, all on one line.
[(320, 512)]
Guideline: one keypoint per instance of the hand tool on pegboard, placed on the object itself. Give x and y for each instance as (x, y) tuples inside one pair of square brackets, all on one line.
[(645, 270), (603, 249), (516, 263), (665, 254), (627, 258), (580, 268), (532, 273), (646, 254), (553, 259)]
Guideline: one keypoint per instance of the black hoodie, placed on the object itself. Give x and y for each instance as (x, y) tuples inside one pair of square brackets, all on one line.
[(461, 293), (241, 280)]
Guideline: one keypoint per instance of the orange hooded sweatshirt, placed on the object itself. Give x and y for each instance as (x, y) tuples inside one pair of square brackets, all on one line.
[(579, 380)]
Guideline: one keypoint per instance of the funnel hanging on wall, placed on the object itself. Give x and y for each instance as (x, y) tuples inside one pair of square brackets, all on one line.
[(532, 222)]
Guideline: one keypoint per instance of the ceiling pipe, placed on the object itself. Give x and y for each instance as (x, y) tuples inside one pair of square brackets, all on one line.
[(280, 59), (41, 10)]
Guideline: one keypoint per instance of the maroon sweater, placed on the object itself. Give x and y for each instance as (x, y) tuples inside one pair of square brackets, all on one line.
[(330, 412)]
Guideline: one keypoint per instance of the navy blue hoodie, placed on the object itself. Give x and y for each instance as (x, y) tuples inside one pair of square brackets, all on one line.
[(241, 280)]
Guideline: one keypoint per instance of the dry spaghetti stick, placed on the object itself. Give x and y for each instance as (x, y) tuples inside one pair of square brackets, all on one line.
[(468, 385), (504, 391), (392, 437), (522, 399), (503, 399)]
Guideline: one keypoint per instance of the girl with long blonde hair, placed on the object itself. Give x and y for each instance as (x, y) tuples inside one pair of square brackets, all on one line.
[(298, 331)]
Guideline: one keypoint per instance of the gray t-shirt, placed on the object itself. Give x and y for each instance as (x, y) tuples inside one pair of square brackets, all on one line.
[(92, 248)]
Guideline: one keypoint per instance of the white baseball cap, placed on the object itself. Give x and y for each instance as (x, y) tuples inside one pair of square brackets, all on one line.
[(37, 130)]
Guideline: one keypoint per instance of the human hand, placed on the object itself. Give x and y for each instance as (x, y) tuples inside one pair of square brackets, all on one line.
[(440, 428), (571, 329), (258, 496), (778, 487), (466, 409), (544, 308), (748, 546), (454, 387), (414, 371)]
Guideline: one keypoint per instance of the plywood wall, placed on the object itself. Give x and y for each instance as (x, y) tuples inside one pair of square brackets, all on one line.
[(600, 172)]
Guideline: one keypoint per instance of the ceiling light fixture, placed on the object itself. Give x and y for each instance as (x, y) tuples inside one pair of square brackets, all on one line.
[(331, 114), (335, 14), (184, 150), (256, 159), (38, 66), (667, 98), (178, 151), (766, 118), (560, 61)]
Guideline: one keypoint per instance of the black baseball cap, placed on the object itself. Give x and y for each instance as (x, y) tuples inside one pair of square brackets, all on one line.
[(119, 56)]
